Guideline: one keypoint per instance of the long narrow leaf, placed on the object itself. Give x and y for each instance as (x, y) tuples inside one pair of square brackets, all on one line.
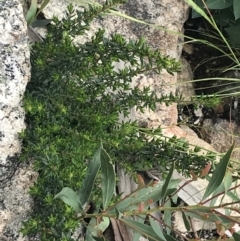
[(91, 174), (31, 12), (186, 221), (194, 6), (167, 216), (108, 179), (157, 229), (89, 237), (218, 174), (43, 5), (228, 181), (145, 194), (71, 198), (144, 229), (166, 183)]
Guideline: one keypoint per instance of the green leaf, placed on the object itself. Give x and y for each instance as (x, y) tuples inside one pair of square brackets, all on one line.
[(91, 174), (186, 221), (169, 238), (41, 23), (157, 229), (220, 189), (144, 194), (236, 9), (234, 34), (218, 174), (144, 229), (43, 5), (95, 226), (166, 183), (227, 181), (236, 236), (118, 214), (207, 215), (200, 4), (198, 9), (167, 216), (219, 4), (71, 198), (89, 237), (108, 179), (31, 12)]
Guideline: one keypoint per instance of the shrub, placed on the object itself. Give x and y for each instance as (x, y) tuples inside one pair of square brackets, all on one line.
[(73, 102)]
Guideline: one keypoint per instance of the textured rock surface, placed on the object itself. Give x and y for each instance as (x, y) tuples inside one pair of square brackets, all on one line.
[(184, 87), (14, 75), (221, 136)]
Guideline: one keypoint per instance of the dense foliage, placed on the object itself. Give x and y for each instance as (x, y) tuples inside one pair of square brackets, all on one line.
[(73, 102), (226, 14)]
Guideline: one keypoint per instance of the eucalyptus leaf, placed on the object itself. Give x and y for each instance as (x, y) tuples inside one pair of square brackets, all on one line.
[(167, 216), (71, 198), (208, 216), (91, 173), (220, 189), (98, 225), (157, 229), (228, 181), (108, 178), (89, 237), (166, 183), (169, 238), (218, 174), (186, 221), (144, 229), (144, 194)]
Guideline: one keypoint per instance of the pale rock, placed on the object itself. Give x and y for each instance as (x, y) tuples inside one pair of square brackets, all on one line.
[(15, 178), (221, 136), (184, 86)]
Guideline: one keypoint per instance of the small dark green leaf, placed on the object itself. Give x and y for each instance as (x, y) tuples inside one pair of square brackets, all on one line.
[(166, 183), (234, 34), (218, 174), (91, 174), (186, 221), (157, 228), (219, 4), (71, 198), (108, 179), (236, 9)]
